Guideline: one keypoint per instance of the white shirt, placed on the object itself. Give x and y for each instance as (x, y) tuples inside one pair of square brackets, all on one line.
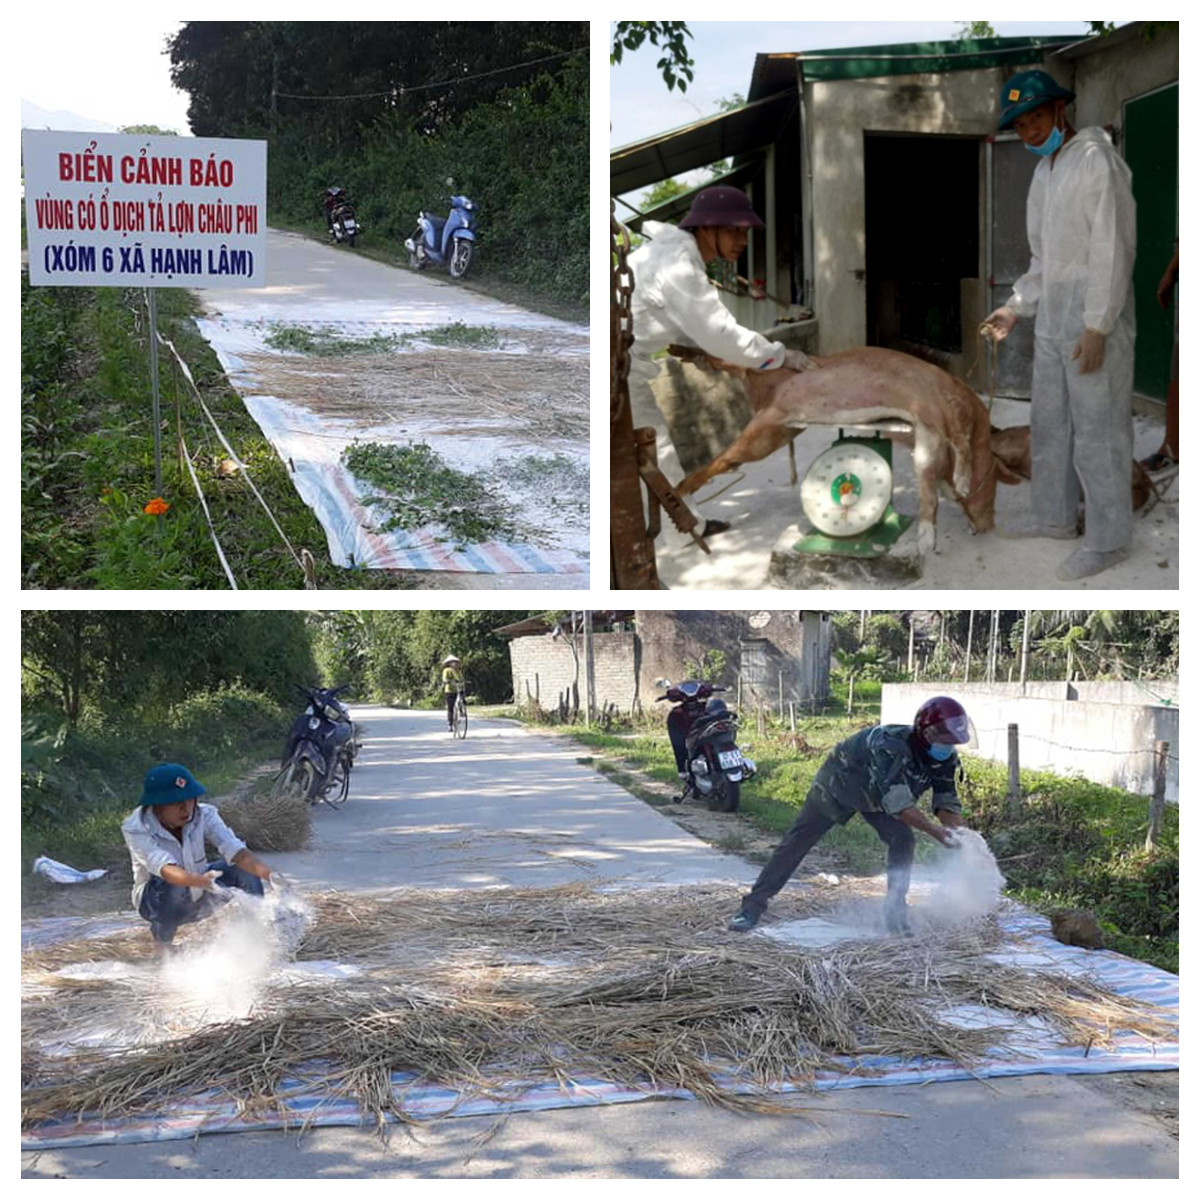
[(673, 301), (1081, 220), (153, 846)]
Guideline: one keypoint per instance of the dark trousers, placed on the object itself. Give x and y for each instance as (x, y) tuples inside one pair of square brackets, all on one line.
[(451, 701), (167, 905), (807, 830)]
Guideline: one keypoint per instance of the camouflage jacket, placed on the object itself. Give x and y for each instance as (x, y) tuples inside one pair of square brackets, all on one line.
[(877, 770)]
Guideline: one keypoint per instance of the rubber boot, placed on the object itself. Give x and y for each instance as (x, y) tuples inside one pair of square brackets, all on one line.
[(895, 907)]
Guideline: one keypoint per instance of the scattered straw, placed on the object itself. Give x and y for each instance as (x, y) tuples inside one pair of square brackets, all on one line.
[(476, 990), (541, 398)]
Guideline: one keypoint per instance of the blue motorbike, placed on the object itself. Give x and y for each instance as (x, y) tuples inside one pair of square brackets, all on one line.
[(445, 241)]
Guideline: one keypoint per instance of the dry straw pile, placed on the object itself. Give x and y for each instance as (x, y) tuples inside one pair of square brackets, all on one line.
[(476, 990)]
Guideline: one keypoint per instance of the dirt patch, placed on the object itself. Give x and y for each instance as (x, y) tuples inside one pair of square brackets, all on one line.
[(1154, 1094), (535, 397)]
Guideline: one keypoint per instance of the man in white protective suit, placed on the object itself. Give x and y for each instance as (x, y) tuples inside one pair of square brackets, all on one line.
[(1082, 238), (673, 300)]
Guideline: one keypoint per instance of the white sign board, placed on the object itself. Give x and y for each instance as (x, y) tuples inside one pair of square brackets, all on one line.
[(134, 210)]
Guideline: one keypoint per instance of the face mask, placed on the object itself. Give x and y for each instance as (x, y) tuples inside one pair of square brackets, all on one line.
[(940, 751), (1048, 147)]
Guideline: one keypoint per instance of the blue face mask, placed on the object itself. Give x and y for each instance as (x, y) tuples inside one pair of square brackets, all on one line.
[(940, 751), (1048, 147)]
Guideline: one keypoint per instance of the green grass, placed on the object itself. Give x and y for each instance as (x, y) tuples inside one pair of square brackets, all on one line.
[(469, 337), (88, 462), (1072, 843), (324, 343), (418, 489)]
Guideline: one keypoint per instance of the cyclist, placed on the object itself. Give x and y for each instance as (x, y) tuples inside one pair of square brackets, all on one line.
[(452, 684)]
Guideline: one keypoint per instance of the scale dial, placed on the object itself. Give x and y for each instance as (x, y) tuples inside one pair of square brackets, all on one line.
[(846, 490)]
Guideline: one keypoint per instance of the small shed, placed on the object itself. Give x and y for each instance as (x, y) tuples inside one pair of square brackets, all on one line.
[(895, 213)]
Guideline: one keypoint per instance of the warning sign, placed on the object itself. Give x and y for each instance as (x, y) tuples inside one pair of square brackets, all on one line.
[(125, 210)]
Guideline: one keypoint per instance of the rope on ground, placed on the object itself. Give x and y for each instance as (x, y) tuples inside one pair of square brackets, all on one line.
[(187, 374), (204, 505)]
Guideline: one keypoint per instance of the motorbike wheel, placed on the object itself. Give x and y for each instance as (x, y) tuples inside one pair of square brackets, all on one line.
[(339, 784), (301, 779), (727, 795), (460, 258)]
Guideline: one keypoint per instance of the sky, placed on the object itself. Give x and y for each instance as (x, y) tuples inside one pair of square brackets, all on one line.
[(724, 52), (106, 68)]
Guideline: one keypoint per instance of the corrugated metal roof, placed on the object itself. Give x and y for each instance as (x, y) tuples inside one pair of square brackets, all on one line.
[(740, 131)]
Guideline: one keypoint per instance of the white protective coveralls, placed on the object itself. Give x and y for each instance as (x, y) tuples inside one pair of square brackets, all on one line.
[(1082, 235), (673, 301)]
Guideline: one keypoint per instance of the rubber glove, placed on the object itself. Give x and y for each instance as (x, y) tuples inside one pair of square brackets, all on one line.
[(1089, 350), (1000, 324), (797, 360)]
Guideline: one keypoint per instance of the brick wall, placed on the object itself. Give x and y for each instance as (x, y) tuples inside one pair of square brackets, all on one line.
[(760, 646)]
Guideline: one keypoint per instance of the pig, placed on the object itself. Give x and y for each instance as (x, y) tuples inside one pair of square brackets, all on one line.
[(951, 438)]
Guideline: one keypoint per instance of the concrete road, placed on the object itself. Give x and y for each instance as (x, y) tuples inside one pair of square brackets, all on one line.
[(502, 807), (509, 807)]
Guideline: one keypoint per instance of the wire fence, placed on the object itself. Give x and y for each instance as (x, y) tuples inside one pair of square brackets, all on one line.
[(302, 558)]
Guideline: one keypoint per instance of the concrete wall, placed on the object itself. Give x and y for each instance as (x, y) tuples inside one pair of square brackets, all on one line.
[(1120, 68), (1104, 740), (840, 112), (760, 646)]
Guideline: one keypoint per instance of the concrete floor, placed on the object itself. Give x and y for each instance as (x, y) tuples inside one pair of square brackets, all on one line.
[(761, 506)]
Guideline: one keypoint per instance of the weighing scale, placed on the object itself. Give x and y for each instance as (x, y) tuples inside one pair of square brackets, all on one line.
[(847, 495)]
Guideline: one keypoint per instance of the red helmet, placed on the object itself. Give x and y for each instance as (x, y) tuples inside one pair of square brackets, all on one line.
[(722, 205), (942, 720)]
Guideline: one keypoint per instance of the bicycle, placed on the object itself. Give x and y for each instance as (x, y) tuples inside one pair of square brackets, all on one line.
[(459, 724)]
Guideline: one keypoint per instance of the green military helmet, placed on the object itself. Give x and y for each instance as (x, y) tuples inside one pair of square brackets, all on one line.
[(1025, 91)]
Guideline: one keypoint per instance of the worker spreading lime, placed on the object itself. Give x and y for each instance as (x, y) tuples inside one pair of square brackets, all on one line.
[(173, 880), (879, 773)]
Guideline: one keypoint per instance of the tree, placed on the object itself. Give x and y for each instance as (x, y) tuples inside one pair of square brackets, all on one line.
[(149, 129), (969, 31), (676, 65), (661, 192)]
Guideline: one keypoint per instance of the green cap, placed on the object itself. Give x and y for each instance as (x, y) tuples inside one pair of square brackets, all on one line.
[(168, 783)]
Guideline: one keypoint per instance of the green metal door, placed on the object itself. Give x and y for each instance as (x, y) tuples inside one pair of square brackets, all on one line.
[(1152, 152)]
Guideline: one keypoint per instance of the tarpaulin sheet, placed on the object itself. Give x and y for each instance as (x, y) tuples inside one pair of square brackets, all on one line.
[(304, 1103), (312, 442)]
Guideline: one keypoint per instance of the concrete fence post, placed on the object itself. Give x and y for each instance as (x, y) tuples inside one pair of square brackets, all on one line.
[(1158, 800), (1013, 799), (792, 715)]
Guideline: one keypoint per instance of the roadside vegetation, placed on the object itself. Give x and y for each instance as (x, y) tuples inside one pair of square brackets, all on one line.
[(107, 694), (404, 114), (1072, 844), (87, 464)]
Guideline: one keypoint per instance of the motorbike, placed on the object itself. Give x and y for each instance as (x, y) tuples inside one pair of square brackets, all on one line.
[(344, 222), (706, 730), (444, 241), (321, 747)]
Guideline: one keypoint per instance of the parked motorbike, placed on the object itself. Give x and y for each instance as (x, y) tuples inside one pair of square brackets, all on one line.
[(344, 222), (704, 736), (320, 749), (444, 241)]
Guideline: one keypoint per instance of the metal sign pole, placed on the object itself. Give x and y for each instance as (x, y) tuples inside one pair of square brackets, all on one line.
[(152, 304)]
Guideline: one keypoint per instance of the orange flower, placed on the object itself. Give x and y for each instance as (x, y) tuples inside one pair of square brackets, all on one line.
[(156, 507)]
